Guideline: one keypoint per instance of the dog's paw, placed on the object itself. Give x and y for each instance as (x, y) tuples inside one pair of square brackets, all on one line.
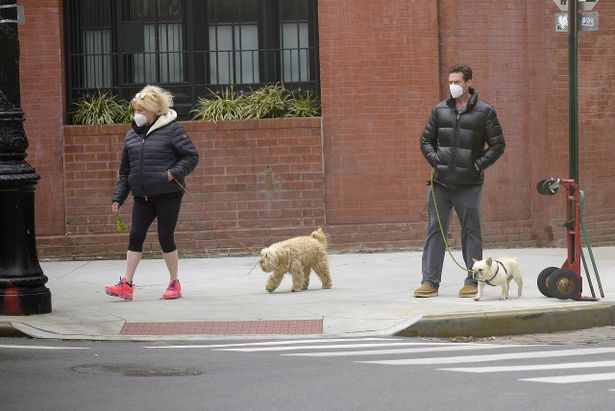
[(476, 298), (270, 290), (327, 286)]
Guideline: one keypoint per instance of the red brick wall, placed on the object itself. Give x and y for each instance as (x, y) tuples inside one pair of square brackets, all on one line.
[(509, 73), (42, 99), (260, 181), (548, 143), (377, 93), (596, 76), (383, 66), (373, 166), (378, 63)]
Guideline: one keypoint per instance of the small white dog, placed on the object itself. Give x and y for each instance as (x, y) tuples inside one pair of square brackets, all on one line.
[(297, 256), (497, 272)]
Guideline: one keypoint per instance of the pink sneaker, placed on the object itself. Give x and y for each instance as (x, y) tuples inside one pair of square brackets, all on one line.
[(174, 290), (121, 289)]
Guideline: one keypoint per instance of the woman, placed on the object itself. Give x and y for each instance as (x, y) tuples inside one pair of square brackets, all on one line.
[(156, 153)]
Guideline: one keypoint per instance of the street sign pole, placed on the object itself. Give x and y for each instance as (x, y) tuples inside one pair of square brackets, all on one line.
[(573, 127), (573, 115)]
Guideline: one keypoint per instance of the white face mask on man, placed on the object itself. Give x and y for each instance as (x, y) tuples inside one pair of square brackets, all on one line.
[(140, 119), (457, 90)]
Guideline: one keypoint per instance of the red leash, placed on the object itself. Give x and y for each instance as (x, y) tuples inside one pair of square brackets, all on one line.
[(213, 220)]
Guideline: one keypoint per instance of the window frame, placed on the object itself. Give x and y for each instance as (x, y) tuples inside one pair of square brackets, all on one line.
[(195, 65)]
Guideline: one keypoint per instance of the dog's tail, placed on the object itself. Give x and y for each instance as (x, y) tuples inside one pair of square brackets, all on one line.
[(320, 236)]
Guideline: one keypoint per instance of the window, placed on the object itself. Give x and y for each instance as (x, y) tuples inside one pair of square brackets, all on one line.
[(160, 56), (92, 47), (233, 42), (189, 46), (294, 41), (97, 58)]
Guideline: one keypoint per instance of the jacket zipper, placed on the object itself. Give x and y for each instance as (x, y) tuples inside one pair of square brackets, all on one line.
[(453, 165), (142, 171)]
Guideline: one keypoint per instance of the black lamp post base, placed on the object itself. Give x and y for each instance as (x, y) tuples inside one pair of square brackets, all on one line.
[(25, 301), (22, 282)]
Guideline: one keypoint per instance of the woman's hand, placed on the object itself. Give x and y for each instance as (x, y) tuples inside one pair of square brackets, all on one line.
[(170, 175), (115, 207)]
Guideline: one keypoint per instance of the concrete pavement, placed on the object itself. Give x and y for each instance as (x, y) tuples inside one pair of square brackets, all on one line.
[(372, 294)]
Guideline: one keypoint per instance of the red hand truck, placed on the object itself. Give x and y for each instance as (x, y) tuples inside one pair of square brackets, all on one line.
[(566, 282)]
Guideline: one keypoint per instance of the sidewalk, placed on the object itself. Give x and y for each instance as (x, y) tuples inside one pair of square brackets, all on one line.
[(372, 294)]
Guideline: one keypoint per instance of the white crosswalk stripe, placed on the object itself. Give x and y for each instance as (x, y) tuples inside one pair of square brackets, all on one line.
[(463, 347), (266, 343), (567, 379), (39, 347), (404, 352), (561, 379), (493, 357), (539, 367), (322, 347)]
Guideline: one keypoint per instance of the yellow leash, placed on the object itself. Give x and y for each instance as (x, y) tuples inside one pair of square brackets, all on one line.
[(435, 205)]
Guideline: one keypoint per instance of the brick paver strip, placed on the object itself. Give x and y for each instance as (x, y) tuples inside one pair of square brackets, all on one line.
[(224, 327)]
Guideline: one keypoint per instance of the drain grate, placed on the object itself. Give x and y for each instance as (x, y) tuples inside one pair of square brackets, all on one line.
[(224, 327)]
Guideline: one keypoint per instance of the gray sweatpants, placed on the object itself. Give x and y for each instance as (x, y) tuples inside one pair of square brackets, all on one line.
[(466, 202)]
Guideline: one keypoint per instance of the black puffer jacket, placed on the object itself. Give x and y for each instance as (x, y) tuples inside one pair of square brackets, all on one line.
[(146, 159), (460, 145)]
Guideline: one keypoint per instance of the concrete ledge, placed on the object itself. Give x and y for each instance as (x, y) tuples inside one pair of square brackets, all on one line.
[(512, 322), (7, 330)]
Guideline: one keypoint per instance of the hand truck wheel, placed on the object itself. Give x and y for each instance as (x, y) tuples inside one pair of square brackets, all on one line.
[(563, 284), (542, 281)]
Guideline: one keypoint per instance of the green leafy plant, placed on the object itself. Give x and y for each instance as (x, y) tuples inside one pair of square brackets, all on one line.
[(270, 101), (101, 108), (227, 105), (303, 105), (267, 102)]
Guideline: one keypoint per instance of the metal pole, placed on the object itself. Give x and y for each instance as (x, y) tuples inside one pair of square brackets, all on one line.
[(574, 237), (22, 282), (573, 103)]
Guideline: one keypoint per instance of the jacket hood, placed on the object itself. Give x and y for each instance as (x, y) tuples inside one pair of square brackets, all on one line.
[(163, 120)]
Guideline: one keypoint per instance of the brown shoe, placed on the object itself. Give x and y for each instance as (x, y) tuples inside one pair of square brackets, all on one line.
[(468, 291), (426, 290)]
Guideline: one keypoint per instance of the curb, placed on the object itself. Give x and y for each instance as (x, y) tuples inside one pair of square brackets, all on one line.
[(7, 330), (511, 322), (482, 325)]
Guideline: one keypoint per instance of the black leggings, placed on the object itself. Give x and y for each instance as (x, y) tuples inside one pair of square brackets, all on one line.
[(166, 209)]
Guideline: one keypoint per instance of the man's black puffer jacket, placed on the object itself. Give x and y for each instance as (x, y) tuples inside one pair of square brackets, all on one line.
[(146, 159), (460, 145)]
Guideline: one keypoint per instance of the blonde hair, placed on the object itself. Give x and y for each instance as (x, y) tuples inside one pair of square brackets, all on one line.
[(154, 99)]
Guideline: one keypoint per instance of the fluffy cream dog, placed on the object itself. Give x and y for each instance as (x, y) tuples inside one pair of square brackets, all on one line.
[(297, 256), (497, 272)]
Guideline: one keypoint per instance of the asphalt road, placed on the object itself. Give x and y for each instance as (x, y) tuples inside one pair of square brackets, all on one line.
[(301, 374)]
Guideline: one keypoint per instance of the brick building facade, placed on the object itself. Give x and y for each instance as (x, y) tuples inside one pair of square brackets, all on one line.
[(357, 170)]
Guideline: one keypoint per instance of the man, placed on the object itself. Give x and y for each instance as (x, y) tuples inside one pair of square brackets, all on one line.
[(462, 138)]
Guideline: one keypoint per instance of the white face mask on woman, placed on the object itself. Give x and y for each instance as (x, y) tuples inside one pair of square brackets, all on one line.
[(140, 119), (456, 90)]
